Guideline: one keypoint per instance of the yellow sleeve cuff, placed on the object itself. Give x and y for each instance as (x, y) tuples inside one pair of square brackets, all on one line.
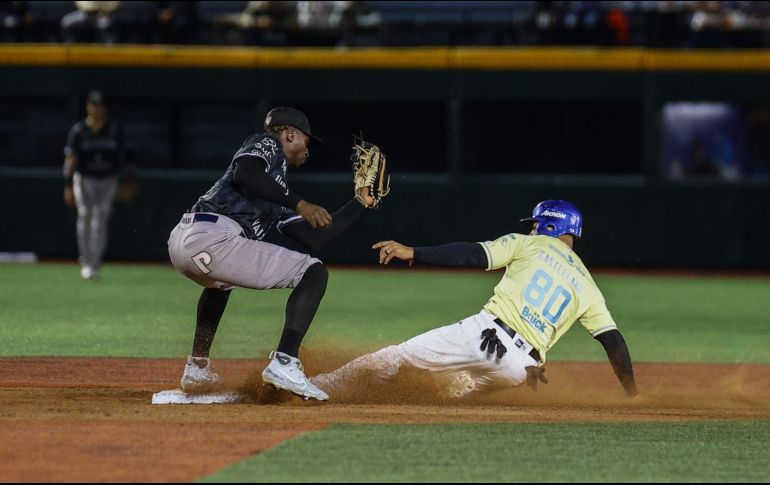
[(603, 330), (489, 256)]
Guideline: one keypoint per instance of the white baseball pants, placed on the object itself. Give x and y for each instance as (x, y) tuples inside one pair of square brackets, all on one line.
[(451, 352)]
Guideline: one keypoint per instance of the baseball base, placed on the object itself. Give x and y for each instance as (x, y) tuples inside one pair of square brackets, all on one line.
[(178, 396)]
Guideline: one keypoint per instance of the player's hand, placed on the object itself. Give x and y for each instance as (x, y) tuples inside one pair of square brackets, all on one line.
[(69, 197), (365, 197), (491, 342), (315, 215), (535, 374), (393, 249)]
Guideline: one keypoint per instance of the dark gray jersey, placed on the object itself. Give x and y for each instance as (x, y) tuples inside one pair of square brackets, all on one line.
[(256, 217), (98, 154)]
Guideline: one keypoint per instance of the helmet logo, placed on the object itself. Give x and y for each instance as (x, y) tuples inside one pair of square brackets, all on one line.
[(550, 213), (268, 120)]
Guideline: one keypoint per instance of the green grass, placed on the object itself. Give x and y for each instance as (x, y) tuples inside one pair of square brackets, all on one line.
[(149, 311), (625, 452)]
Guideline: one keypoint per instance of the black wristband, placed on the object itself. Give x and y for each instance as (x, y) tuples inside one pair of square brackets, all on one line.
[(292, 200)]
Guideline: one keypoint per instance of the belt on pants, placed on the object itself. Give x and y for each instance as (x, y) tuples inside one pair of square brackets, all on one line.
[(532, 353), (205, 218), (200, 217)]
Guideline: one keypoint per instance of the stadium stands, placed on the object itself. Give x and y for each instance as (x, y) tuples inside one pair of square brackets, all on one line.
[(400, 23)]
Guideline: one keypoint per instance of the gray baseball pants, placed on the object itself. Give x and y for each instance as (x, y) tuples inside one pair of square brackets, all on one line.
[(214, 254), (93, 198)]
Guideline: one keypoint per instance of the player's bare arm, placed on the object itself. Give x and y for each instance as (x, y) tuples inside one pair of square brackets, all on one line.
[(620, 359)]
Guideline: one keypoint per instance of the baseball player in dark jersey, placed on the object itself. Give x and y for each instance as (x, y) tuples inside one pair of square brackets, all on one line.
[(218, 244), (93, 158)]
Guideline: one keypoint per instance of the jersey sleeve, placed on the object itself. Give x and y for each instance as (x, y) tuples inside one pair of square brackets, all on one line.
[(263, 148), (71, 147), (288, 218), (597, 319), (502, 251)]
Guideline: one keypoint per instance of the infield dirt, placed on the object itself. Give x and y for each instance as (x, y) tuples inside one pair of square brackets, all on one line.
[(71, 419)]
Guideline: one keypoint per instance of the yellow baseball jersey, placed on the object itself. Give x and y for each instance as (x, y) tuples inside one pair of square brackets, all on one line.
[(545, 289)]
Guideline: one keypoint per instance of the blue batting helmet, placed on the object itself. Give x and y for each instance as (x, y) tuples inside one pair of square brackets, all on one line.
[(556, 217)]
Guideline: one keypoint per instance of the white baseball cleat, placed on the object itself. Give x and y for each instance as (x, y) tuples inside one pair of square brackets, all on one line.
[(86, 272), (199, 375), (286, 372), (461, 385)]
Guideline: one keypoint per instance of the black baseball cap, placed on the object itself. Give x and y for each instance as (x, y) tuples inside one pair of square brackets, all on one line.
[(290, 116), (95, 97)]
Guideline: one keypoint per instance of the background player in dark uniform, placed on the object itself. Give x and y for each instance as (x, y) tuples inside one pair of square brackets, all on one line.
[(218, 244), (93, 158)]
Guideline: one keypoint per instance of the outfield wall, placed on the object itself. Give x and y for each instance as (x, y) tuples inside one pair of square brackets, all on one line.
[(629, 222)]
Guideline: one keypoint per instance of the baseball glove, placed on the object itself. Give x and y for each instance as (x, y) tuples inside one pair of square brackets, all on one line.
[(369, 170)]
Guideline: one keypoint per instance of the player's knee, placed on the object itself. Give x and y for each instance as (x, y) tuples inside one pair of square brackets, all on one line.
[(319, 271), (318, 274)]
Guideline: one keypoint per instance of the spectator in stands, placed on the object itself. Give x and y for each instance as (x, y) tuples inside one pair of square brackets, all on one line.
[(620, 25), (260, 23), (318, 15), (547, 19), (94, 156), (361, 26), (708, 25), (324, 23), (15, 19), (175, 22), (91, 22)]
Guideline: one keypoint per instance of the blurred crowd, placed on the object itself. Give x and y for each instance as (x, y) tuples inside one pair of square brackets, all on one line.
[(213, 22), (682, 24)]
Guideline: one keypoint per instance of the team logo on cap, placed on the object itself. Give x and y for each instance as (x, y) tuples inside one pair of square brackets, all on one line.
[(268, 120)]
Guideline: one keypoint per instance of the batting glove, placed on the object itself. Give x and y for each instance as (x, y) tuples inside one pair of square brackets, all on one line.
[(491, 342)]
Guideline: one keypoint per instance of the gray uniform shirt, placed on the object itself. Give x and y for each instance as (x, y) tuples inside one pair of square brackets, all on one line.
[(256, 217)]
